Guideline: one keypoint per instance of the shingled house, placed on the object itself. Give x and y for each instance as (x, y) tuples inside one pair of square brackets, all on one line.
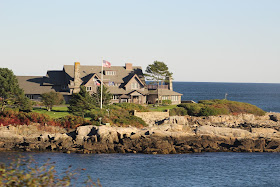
[(125, 83)]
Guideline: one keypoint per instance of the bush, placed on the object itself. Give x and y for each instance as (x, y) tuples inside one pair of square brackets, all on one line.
[(178, 111), (24, 172), (72, 121), (166, 102), (117, 116), (220, 107)]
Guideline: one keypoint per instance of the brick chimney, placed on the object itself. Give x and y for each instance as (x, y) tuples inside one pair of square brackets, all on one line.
[(77, 78), (128, 66)]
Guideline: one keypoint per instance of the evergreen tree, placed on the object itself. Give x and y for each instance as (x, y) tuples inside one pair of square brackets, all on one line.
[(10, 93), (106, 96), (158, 72), (81, 102), (52, 98)]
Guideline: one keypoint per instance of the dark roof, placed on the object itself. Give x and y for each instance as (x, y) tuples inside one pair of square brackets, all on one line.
[(122, 75), (164, 92), (33, 85)]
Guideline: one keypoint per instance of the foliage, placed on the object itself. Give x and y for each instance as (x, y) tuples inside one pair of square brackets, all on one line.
[(161, 108), (118, 116), (106, 96), (10, 93), (166, 102), (24, 172), (81, 102), (220, 107), (72, 121), (12, 117), (178, 111), (157, 71), (52, 98)]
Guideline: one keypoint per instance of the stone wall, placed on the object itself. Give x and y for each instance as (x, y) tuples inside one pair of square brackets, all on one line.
[(152, 118)]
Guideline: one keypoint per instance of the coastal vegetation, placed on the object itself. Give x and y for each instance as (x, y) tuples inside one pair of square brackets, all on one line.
[(10, 93), (27, 172), (216, 107), (52, 98)]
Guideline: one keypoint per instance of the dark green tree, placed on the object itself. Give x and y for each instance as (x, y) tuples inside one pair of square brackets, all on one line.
[(158, 72), (10, 92), (52, 98), (106, 96), (81, 102)]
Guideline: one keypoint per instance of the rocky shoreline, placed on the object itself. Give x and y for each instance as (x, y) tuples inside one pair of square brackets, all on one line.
[(173, 135)]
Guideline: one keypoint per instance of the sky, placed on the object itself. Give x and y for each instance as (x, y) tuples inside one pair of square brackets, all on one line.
[(199, 40)]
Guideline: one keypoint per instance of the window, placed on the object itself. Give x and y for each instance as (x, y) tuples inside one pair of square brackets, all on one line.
[(174, 98), (110, 72), (115, 97), (165, 97), (134, 85), (30, 96), (88, 88)]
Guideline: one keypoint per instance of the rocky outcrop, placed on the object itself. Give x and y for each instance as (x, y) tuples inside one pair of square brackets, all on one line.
[(177, 134)]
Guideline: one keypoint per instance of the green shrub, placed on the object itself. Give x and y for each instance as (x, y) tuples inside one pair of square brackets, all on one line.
[(220, 107), (26, 172), (166, 102), (117, 116), (178, 111)]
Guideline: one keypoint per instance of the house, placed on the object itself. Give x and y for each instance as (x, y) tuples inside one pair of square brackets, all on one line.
[(125, 83)]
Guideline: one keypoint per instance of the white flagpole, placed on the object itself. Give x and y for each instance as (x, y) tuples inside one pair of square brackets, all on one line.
[(101, 83)]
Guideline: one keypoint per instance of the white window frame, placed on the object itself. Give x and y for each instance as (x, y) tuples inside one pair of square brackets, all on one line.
[(89, 88), (174, 98), (110, 72)]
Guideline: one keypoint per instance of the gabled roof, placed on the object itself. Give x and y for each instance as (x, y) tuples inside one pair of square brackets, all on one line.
[(87, 78), (136, 77)]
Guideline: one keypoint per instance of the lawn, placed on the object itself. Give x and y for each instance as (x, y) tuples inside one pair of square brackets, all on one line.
[(57, 112), (161, 108)]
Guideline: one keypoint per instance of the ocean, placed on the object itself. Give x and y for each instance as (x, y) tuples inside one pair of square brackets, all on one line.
[(264, 95), (203, 169)]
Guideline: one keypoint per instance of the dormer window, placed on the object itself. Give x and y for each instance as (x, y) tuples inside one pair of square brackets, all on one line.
[(110, 72)]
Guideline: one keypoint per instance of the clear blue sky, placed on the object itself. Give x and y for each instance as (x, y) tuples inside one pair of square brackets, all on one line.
[(200, 40)]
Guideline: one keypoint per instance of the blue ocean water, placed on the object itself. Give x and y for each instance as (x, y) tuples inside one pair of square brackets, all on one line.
[(264, 95), (203, 169)]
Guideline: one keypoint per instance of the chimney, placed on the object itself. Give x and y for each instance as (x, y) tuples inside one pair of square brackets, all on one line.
[(77, 79), (128, 66), (170, 84)]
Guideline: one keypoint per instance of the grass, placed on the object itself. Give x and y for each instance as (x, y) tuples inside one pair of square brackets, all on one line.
[(161, 108), (57, 112)]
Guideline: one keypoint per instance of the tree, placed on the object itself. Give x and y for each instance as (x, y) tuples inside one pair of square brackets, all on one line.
[(158, 72), (52, 98), (81, 102), (106, 96), (10, 92)]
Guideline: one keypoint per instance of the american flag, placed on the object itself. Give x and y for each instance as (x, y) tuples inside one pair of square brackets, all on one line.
[(106, 64), (97, 83)]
